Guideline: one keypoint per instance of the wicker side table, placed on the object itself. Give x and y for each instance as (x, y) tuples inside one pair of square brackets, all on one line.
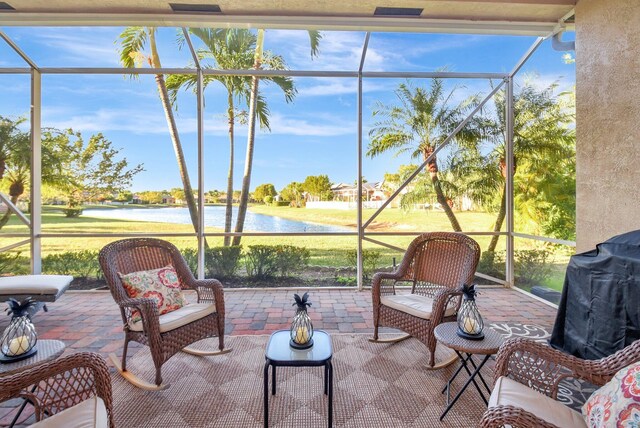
[(465, 349), (48, 350)]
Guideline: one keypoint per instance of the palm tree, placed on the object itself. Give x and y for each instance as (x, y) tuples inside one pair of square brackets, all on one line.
[(542, 134), (233, 49), (260, 59), (420, 122), (15, 161), (133, 41)]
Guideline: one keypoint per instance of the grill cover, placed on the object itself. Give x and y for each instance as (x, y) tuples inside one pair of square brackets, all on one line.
[(599, 312)]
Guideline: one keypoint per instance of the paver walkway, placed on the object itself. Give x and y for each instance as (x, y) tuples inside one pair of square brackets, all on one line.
[(91, 321)]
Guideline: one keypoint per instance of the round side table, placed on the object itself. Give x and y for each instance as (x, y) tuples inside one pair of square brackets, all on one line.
[(465, 349), (48, 350)]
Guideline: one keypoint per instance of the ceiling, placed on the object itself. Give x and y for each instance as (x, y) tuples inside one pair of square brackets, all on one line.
[(530, 17)]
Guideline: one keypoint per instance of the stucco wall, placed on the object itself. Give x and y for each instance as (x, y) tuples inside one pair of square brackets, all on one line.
[(608, 119)]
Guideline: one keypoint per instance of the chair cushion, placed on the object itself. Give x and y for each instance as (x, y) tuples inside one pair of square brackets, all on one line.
[(414, 304), (179, 317), (508, 392), (616, 403), (34, 285), (161, 284), (91, 413)]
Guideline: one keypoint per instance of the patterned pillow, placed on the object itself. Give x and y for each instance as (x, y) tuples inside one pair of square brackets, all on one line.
[(161, 284), (617, 403)]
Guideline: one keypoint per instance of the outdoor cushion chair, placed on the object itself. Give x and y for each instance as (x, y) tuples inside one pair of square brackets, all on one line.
[(71, 391), (172, 332), (527, 377), (437, 265)]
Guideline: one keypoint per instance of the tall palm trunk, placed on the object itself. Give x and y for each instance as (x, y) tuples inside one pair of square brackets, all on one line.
[(437, 187), (15, 194), (246, 179), (502, 213), (173, 132), (229, 209)]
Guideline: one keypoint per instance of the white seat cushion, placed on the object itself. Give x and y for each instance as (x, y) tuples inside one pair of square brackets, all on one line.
[(34, 284), (91, 413), (414, 304), (508, 392), (179, 317)]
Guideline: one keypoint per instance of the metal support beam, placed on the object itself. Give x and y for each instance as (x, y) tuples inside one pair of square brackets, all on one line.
[(435, 152), (359, 257), (200, 119), (521, 62), (509, 265), (19, 51), (10, 206), (36, 172)]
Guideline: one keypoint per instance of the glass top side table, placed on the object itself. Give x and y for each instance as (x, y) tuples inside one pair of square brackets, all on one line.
[(279, 353)]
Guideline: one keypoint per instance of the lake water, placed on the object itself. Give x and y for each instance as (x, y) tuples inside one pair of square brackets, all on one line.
[(214, 216)]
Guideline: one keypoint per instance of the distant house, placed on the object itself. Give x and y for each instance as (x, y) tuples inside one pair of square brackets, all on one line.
[(348, 192), (136, 199), (168, 199)]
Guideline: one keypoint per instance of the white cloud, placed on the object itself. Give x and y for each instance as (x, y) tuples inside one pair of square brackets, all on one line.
[(321, 125)]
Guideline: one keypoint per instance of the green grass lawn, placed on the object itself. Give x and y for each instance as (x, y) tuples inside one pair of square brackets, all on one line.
[(330, 251)]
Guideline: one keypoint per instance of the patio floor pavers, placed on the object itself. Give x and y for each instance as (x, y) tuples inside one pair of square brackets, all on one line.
[(90, 321)]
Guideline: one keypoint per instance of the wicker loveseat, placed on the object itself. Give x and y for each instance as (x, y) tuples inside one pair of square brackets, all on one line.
[(527, 379), (436, 265), (71, 391)]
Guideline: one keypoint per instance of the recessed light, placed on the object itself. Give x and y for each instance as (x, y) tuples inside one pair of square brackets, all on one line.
[(6, 6), (397, 11), (195, 8)]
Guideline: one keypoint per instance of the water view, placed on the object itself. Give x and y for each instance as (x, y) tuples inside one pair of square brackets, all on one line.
[(214, 217)]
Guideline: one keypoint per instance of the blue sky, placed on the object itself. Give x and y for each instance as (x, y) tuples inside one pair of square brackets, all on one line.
[(314, 135)]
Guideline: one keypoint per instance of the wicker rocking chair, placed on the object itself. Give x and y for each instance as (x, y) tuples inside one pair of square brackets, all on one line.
[(527, 378), (165, 334), (71, 391), (437, 265)]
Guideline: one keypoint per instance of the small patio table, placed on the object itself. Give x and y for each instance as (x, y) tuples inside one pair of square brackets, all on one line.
[(48, 350), (280, 354), (465, 349)]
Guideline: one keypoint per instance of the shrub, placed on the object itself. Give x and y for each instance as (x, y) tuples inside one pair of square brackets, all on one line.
[(492, 263), (265, 261), (219, 262), (268, 199), (281, 203), (80, 264), (222, 262), (13, 264), (532, 267), (291, 259), (370, 260), (261, 261), (72, 212)]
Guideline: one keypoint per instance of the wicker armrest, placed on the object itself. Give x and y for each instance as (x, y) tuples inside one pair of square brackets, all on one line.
[(441, 302), (209, 290), (383, 283), (148, 309), (61, 384), (500, 416)]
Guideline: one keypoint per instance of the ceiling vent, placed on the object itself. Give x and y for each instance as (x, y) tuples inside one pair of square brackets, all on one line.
[(5, 6), (397, 11), (195, 8)]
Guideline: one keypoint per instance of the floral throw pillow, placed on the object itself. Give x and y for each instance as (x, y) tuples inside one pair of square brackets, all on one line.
[(161, 284), (617, 403)]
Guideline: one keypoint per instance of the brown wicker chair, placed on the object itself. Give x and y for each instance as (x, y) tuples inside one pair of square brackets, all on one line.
[(138, 254), (64, 385), (437, 265), (540, 368)]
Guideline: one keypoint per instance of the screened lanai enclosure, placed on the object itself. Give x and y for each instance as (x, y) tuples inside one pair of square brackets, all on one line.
[(361, 141)]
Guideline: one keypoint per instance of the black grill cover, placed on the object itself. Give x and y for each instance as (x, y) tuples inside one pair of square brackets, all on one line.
[(599, 312)]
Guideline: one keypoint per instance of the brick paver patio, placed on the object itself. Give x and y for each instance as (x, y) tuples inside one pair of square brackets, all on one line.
[(91, 320)]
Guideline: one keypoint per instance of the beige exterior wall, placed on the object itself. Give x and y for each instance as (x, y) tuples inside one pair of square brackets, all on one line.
[(608, 119)]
